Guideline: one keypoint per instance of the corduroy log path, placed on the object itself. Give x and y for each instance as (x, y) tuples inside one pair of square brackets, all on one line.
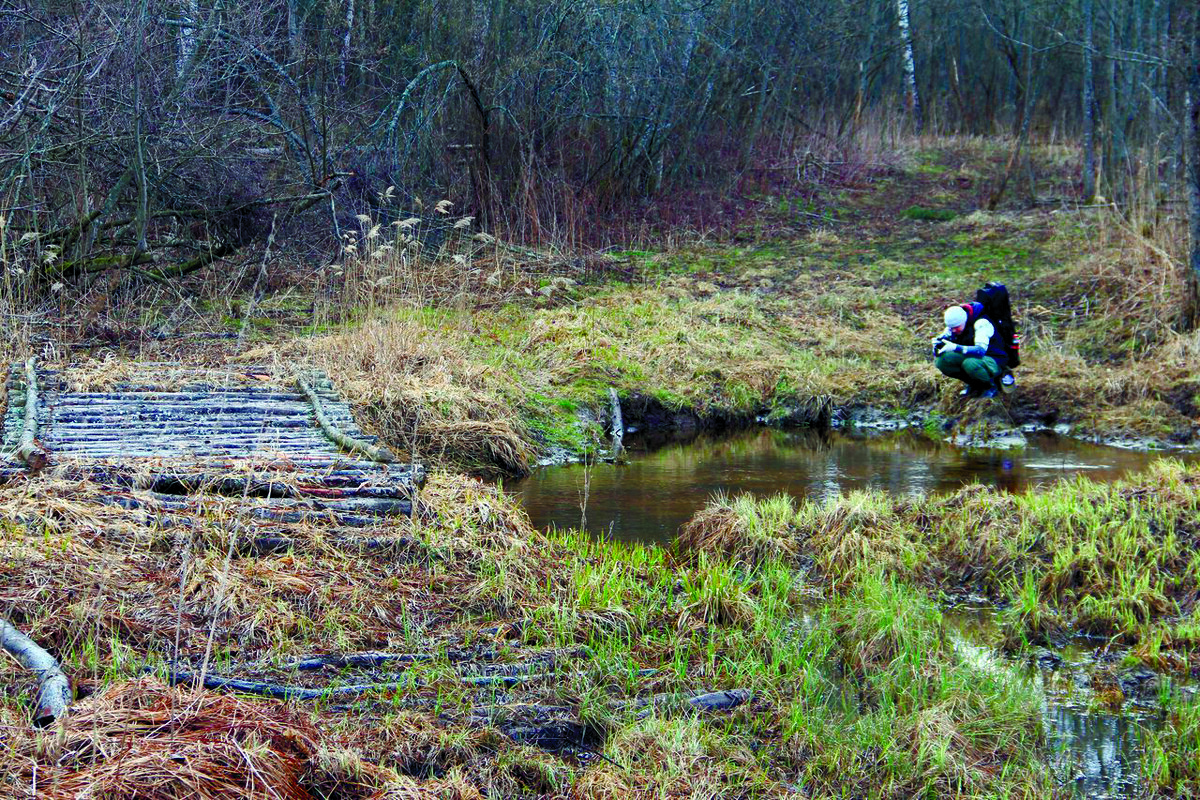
[(285, 450), (288, 445), (279, 463)]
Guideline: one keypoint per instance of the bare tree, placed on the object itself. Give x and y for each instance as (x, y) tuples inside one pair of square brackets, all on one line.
[(1192, 316), (1088, 108)]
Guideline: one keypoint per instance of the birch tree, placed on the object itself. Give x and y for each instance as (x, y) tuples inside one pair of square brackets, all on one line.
[(912, 98), (1192, 317), (1088, 108)]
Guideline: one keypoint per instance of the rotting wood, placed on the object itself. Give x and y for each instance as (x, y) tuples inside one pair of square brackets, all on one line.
[(259, 445), (357, 660), (270, 545), (282, 692), (29, 451), (54, 689), (373, 452)]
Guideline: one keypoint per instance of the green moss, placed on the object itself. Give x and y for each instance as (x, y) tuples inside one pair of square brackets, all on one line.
[(928, 214)]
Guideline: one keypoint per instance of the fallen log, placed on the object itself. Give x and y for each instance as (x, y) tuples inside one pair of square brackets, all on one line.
[(54, 689), (357, 660), (282, 692), (270, 545), (374, 658), (694, 701), (373, 452), (29, 450), (221, 479)]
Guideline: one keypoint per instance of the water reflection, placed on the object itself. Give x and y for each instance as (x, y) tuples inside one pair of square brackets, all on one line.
[(651, 496), (1095, 752)]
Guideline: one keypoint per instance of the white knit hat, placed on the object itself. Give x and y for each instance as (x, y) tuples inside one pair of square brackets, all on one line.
[(956, 317)]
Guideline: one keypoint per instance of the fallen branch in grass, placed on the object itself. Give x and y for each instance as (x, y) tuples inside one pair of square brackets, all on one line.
[(54, 689), (29, 450), (266, 545), (284, 692), (336, 435), (377, 658), (280, 691), (695, 701)]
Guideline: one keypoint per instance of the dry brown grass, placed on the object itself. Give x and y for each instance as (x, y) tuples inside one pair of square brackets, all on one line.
[(722, 529), (420, 390), (141, 739)]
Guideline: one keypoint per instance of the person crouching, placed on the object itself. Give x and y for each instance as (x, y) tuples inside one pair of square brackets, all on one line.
[(970, 350)]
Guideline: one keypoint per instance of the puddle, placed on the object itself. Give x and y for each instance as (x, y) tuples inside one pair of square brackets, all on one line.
[(648, 498), (1095, 752)]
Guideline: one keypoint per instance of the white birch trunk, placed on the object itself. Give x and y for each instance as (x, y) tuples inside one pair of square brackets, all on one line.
[(913, 99), (190, 13), (345, 54)]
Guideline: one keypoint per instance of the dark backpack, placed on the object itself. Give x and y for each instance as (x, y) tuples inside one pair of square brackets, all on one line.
[(997, 308)]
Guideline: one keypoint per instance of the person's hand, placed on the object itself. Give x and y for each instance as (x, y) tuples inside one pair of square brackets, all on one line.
[(944, 346)]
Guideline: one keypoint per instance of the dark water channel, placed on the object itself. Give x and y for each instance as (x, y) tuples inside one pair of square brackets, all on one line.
[(1094, 752)]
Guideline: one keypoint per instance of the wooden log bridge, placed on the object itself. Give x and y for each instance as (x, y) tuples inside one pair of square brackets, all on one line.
[(289, 439)]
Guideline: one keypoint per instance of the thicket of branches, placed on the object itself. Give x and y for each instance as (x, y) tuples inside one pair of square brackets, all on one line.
[(159, 137)]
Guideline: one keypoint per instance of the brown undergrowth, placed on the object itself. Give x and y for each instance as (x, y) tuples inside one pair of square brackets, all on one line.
[(485, 357), (143, 739), (522, 656)]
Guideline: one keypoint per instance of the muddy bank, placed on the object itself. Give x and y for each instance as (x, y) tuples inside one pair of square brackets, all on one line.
[(649, 424)]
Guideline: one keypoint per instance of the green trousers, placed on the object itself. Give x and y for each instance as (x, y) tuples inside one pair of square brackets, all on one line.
[(978, 371)]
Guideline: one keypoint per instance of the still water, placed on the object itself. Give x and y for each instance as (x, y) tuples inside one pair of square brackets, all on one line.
[(648, 498)]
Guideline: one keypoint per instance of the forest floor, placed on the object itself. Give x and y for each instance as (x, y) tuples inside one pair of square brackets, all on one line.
[(558, 665)]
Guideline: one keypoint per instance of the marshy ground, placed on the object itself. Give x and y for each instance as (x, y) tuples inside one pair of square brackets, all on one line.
[(823, 621)]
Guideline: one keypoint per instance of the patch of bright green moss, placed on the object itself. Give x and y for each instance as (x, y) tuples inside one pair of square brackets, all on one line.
[(928, 214)]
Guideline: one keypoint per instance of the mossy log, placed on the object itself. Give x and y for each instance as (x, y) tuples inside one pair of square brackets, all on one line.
[(54, 689)]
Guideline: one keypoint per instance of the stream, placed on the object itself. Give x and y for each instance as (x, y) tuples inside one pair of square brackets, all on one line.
[(1093, 750)]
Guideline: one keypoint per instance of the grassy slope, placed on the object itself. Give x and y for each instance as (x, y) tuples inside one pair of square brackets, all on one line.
[(834, 293)]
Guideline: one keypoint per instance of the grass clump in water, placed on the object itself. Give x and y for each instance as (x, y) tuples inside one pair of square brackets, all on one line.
[(1172, 764), (1118, 560)]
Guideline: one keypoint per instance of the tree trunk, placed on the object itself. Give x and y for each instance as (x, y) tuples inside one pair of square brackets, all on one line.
[(912, 98), (1089, 108), (293, 26), (190, 12), (345, 54), (1192, 313)]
